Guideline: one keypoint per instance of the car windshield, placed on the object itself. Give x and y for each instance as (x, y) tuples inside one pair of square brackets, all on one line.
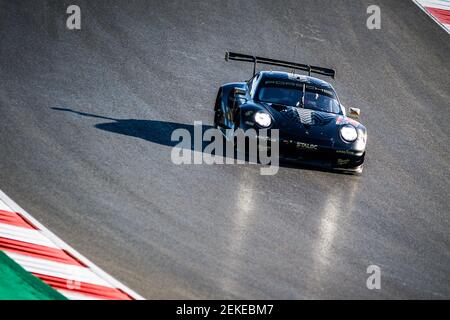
[(290, 93)]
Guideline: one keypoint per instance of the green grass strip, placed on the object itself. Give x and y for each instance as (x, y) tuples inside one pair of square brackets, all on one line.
[(18, 284)]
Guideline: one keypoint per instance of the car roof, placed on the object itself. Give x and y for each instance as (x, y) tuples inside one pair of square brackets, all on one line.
[(295, 77)]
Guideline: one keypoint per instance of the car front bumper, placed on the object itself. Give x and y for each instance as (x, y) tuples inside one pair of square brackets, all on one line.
[(312, 154)]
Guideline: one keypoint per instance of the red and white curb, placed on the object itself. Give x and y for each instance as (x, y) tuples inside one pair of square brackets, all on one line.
[(438, 10), (43, 254)]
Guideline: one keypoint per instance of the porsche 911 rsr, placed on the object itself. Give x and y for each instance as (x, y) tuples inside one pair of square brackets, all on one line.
[(313, 125)]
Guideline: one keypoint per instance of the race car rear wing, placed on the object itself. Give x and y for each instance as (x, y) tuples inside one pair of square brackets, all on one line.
[(293, 65)]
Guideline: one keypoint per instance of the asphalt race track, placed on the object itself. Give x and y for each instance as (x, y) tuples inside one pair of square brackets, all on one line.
[(85, 146)]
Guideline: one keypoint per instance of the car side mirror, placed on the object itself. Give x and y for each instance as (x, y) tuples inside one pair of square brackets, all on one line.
[(354, 113)]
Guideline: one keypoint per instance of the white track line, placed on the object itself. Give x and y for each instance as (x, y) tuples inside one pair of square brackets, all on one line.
[(3, 206), (75, 296), (26, 235), (57, 269), (444, 5)]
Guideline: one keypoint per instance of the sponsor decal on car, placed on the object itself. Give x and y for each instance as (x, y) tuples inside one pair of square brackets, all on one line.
[(308, 146), (350, 152)]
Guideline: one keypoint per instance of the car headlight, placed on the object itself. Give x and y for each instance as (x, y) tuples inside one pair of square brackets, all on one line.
[(349, 133), (263, 119)]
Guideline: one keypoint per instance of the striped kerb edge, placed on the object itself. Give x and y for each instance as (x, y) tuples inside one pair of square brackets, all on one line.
[(438, 10), (47, 257)]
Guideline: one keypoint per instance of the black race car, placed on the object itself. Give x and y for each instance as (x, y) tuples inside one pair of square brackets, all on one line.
[(312, 123)]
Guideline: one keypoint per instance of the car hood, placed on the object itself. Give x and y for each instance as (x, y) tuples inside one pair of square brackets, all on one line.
[(306, 124)]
